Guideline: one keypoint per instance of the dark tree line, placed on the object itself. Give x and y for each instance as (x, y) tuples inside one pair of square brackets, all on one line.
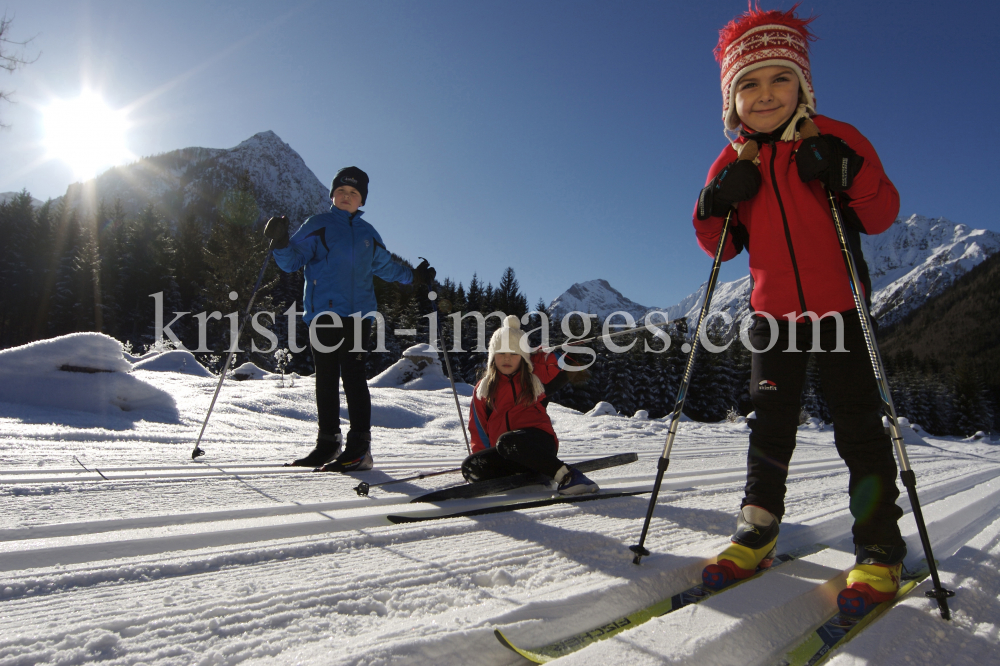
[(63, 274)]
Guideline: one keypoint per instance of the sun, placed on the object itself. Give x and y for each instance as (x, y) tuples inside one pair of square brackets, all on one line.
[(86, 134)]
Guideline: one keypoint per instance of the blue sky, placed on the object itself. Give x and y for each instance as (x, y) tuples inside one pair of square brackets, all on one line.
[(565, 139)]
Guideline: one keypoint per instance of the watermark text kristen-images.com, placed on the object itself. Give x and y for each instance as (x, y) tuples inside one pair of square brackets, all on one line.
[(654, 322)]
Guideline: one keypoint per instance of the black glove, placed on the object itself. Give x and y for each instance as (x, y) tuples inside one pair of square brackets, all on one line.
[(424, 274), (276, 230), (739, 181), (829, 159)]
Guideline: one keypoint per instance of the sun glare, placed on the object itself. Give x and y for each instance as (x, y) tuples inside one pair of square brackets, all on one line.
[(85, 134)]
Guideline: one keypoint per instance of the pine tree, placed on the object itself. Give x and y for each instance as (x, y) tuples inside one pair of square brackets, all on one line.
[(508, 297), (234, 254), (62, 302), (619, 384), (147, 268), (112, 226), (18, 270), (474, 298), (972, 405)]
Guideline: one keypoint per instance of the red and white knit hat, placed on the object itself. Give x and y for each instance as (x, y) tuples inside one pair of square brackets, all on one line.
[(760, 39)]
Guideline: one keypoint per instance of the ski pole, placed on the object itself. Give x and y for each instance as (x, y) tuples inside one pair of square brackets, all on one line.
[(747, 152), (432, 295), (363, 488), (197, 445), (608, 336), (808, 130)]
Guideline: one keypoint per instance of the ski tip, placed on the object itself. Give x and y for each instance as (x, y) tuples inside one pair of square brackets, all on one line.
[(530, 656), (503, 640)]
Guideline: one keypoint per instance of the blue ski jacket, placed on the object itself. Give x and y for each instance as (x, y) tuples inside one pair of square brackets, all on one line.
[(340, 252)]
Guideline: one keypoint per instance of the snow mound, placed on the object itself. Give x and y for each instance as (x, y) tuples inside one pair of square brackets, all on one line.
[(250, 371), (81, 372), (813, 423), (422, 350), (603, 409), (641, 415), (910, 435), (419, 369), (93, 351), (176, 360)]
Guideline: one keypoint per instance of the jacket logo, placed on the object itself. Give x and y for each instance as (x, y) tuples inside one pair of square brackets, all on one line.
[(367, 244), (766, 385)]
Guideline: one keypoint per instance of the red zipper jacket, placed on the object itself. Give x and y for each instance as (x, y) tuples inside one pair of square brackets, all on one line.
[(795, 258), (486, 425)]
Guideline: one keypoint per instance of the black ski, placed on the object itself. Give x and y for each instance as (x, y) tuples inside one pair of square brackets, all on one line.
[(494, 486), (514, 506)]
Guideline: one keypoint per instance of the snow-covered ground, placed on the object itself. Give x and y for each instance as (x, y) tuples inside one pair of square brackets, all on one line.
[(147, 557)]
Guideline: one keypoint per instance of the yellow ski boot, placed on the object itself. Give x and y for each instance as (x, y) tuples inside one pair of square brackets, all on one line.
[(752, 548)]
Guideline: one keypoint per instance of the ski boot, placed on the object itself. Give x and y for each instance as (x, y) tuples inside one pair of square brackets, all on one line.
[(874, 579), (327, 448), (752, 548), (572, 482), (357, 455)]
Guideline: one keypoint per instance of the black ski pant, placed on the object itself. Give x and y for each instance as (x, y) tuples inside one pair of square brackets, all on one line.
[(331, 366), (851, 392), (517, 451)]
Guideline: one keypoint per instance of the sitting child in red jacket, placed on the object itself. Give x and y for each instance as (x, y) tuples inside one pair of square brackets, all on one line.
[(511, 431)]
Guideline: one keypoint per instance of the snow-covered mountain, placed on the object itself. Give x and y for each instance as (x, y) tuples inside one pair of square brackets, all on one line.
[(7, 196), (175, 181), (916, 258), (595, 297)]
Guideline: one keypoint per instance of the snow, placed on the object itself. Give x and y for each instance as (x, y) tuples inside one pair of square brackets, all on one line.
[(419, 369), (603, 409), (81, 372), (238, 560), (175, 360), (250, 371)]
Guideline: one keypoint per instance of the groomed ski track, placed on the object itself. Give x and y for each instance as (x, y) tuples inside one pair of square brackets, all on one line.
[(237, 560)]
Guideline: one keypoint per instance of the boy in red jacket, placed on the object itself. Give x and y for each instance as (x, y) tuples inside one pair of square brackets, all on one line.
[(782, 218), (511, 431)]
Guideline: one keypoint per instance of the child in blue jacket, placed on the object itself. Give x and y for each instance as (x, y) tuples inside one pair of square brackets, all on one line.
[(341, 252)]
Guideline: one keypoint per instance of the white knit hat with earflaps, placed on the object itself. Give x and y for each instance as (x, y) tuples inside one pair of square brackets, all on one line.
[(510, 339)]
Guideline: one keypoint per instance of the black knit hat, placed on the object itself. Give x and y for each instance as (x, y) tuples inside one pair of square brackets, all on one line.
[(354, 177)]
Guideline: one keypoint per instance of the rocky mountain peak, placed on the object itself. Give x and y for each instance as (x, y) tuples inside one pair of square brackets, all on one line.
[(195, 180)]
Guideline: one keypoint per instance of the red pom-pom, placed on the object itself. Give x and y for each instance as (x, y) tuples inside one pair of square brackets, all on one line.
[(754, 18)]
